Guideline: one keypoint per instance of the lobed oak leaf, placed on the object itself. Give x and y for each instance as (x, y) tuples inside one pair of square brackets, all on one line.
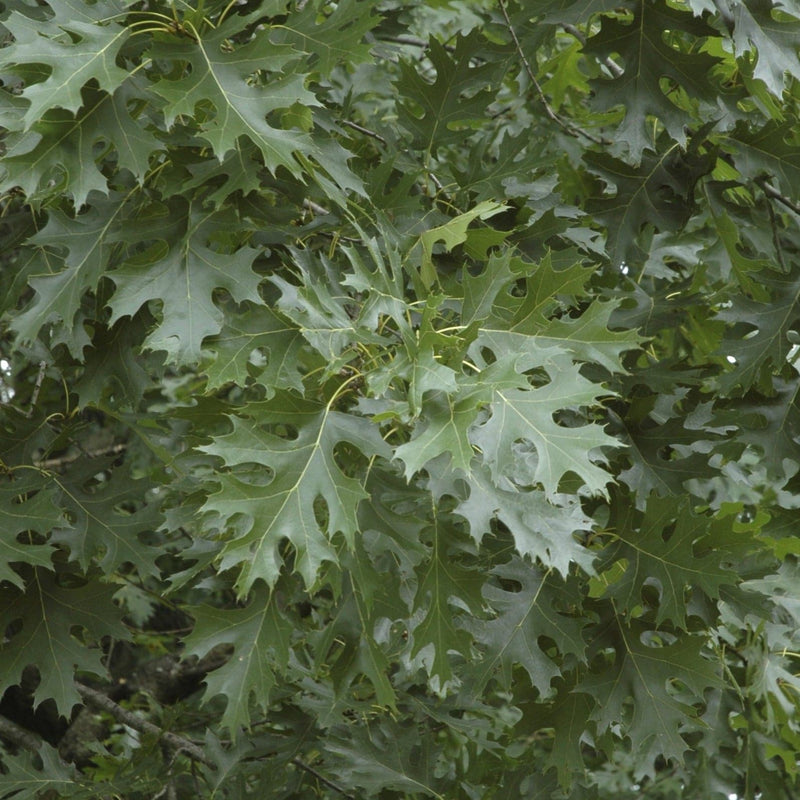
[(260, 636), (303, 473), (45, 619), (218, 71), (659, 551), (182, 272)]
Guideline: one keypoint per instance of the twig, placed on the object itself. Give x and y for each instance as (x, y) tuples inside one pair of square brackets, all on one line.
[(436, 182), (612, 66), (776, 195), (29, 741), (322, 779), (64, 461), (570, 128), (414, 42), (176, 743), (18, 735), (37, 386), (315, 207), (361, 129)]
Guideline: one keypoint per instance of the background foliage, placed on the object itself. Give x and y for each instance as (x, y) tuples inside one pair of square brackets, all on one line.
[(400, 399)]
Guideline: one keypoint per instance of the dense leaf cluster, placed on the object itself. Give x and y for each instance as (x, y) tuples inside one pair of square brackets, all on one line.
[(420, 379)]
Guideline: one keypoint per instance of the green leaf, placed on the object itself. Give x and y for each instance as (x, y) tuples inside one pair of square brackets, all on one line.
[(666, 453), (508, 171), (532, 608), (440, 358), (113, 371), (351, 632), (26, 508), (260, 636), (104, 527), (59, 152), (541, 529), (379, 758), (304, 472), (88, 53), (255, 345), (328, 39), (527, 414), (445, 425), (452, 103), (659, 551), (452, 233), (649, 57), (526, 325), (569, 718), (26, 779), (759, 334), (182, 272), (44, 619), (644, 672), (774, 42), (81, 246), (219, 73), (770, 150), (443, 583), (654, 193)]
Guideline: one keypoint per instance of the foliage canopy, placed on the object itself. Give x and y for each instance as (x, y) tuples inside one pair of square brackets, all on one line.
[(418, 378)]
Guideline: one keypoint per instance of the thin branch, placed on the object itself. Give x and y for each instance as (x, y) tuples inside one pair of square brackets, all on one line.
[(315, 208), (322, 779), (569, 127), (413, 41), (37, 387), (772, 192), (18, 735), (436, 182), (64, 461), (25, 739), (361, 129), (176, 743), (611, 65)]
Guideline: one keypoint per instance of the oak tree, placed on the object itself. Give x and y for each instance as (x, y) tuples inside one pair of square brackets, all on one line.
[(400, 399)]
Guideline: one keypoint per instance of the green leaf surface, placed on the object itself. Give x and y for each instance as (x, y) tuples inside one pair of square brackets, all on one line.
[(62, 147), (105, 524), (305, 472), (260, 636), (26, 508), (774, 43), (644, 674), (183, 273), (532, 609), (420, 379), (527, 414), (449, 104), (25, 779), (444, 584), (89, 52), (255, 345), (543, 530), (219, 75), (377, 759), (649, 57), (659, 552), (71, 257), (330, 39), (45, 618)]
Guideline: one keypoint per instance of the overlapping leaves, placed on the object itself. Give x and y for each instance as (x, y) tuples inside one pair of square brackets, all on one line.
[(438, 360)]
